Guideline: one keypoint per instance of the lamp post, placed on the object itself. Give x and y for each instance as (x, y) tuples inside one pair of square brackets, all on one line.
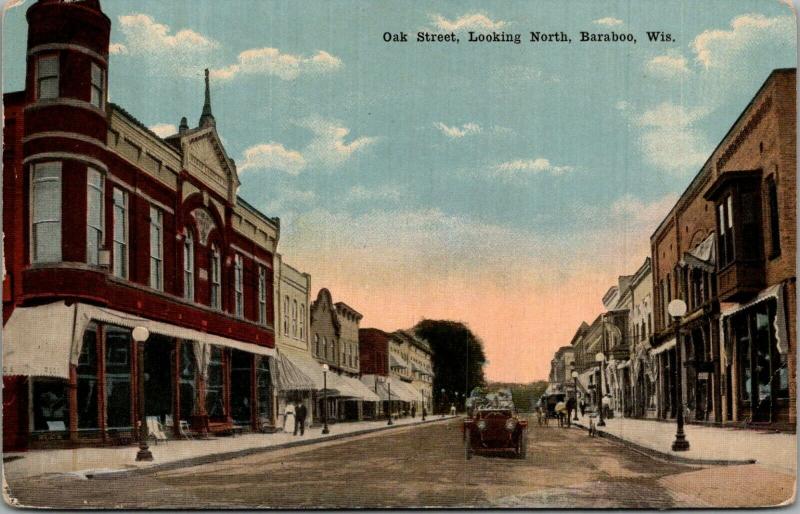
[(443, 402), (601, 358), (325, 429), (389, 413), (575, 380), (677, 309), (140, 335)]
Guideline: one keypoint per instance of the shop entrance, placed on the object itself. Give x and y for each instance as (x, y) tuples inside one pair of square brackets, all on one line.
[(159, 352), (241, 387)]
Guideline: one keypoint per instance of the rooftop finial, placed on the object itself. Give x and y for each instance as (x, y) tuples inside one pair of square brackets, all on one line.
[(207, 119)]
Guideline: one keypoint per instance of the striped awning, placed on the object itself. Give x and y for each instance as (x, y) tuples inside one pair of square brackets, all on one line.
[(290, 377), (397, 362)]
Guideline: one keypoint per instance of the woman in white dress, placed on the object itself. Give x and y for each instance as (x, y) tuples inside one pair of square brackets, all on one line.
[(288, 418)]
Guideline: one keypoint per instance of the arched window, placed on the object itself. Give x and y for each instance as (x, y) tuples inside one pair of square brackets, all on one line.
[(302, 320), (238, 285), (216, 282), (316, 344), (325, 345), (188, 266)]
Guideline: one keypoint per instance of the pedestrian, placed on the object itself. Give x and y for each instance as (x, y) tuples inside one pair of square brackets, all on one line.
[(570, 409), (539, 415), (606, 406), (300, 423), (289, 418), (452, 409), (561, 408), (424, 412), (583, 406), (413, 410)]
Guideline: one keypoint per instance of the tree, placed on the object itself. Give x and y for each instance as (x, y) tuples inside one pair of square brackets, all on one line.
[(458, 358)]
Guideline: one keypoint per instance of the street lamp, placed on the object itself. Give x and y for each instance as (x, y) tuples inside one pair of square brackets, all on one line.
[(443, 402), (575, 380), (601, 358), (677, 309), (325, 429), (389, 413), (140, 335)]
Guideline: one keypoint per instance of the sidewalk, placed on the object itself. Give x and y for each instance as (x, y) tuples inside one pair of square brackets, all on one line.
[(776, 451), (180, 453)]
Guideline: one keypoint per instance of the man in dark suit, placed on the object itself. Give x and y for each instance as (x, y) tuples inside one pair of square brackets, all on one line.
[(300, 418)]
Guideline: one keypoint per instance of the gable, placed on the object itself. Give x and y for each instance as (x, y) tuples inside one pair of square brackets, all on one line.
[(206, 159)]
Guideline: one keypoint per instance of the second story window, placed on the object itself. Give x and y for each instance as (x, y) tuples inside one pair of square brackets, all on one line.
[(286, 315), (294, 318), (238, 286), (188, 266), (98, 86), (262, 295), (47, 77), (156, 248), (46, 212), (316, 344), (216, 272), (725, 230), (774, 219), (94, 215), (120, 268), (302, 320)]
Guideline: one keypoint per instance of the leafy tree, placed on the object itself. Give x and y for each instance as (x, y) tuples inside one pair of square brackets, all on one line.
[(458, 358)]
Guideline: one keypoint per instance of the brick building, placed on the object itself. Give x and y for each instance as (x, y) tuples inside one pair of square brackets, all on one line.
[(110, 227), (727, 248)]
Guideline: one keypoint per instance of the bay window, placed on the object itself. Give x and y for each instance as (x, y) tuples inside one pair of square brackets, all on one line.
[(238, 285), (47, 77), (94, 215), (188, 266), (156, 248), (46, 212), (216, 272), (120, 223)]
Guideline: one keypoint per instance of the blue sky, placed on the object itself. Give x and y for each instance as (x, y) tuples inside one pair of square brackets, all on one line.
[(504, 185)]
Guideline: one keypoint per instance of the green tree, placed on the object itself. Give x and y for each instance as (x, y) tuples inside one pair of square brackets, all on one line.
[(458, 358)]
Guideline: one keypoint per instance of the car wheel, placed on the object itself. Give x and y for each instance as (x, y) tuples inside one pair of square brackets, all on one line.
[(467, 444), (523, 444)]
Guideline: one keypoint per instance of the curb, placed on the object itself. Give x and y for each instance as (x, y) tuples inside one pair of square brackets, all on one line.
[(215, 457), (650, 452)]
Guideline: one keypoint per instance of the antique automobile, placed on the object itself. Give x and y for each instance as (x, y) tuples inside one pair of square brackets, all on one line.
[(495, 427)]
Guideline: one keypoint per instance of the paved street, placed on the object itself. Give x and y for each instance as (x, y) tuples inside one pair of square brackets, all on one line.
[(422, 466)]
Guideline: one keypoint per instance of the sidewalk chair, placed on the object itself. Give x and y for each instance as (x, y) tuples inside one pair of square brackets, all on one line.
[(184, 430), (155, 429)]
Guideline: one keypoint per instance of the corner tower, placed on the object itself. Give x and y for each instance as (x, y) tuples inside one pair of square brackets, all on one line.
[(65, 123)]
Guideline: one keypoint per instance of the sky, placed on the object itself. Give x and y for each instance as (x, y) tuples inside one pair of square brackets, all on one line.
[(506, 186)]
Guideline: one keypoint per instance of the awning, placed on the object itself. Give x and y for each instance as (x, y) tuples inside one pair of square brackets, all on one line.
[(701, 256), (376, 385), (663, 347), (44, 340), (38, 341), (290, 377), (313, 370), (397, 362), (403, 392), (356, 390), (776, 292)]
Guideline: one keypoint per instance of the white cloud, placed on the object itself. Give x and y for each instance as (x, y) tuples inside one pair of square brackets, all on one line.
[(164, 129), (271, 61), (117, 49), (454, 132), (329, 147), (720, 48), (645, 215), (669, 139), (273, 156), (145, 35), (510, 170), (667, 66), (608, 21), (385, 193), (469, 21), (622, 105)]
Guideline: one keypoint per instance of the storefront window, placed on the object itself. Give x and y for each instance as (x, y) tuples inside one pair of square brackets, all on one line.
[(263, 385), (118, 377), (215, 397), (50, 405), (188, 372), (87, 380)]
